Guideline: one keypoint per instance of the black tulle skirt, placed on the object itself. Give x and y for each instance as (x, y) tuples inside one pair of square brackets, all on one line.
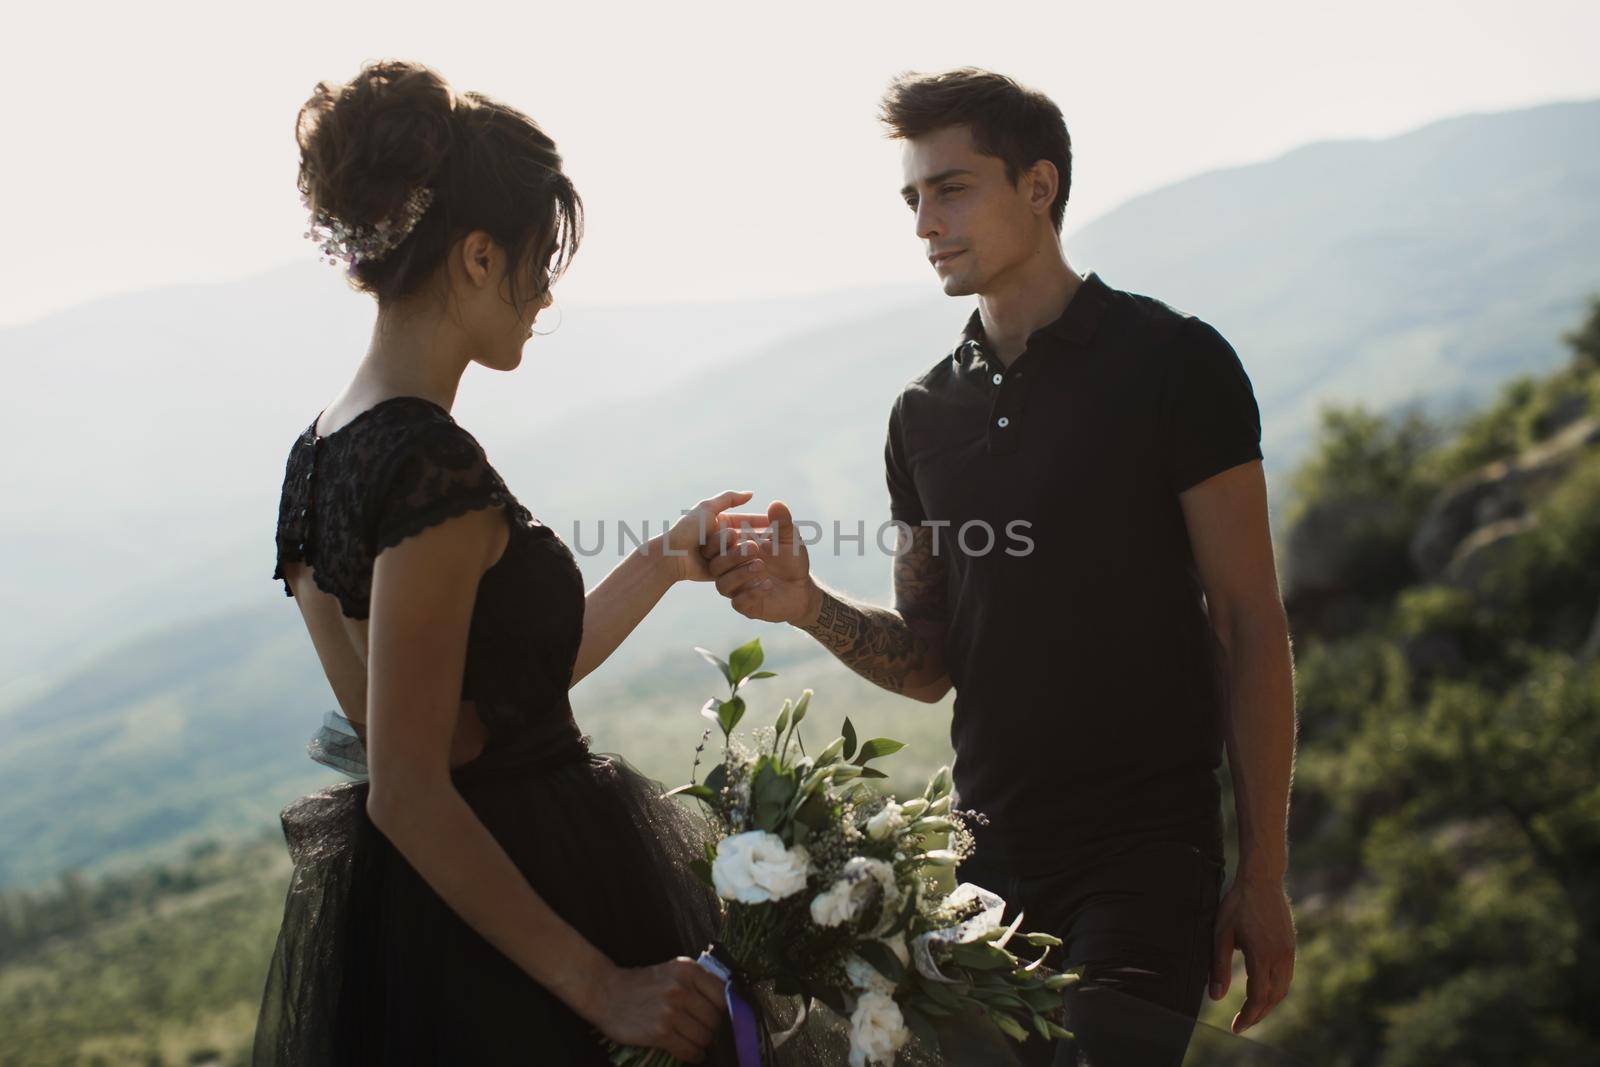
[(372, 967)]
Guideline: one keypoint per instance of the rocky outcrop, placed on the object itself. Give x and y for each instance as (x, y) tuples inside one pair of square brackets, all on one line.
[(1502, 491), (1480, 553)]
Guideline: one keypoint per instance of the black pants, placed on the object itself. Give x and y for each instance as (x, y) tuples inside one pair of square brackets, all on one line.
[(1140, 914)]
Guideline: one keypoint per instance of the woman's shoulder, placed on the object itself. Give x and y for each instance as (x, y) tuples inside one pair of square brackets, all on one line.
[(423, 467)]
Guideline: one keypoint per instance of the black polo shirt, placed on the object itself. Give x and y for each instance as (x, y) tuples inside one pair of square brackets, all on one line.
[(1088, 706)]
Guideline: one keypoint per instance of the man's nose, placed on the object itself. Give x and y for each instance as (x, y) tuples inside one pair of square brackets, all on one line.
[(928, 225)]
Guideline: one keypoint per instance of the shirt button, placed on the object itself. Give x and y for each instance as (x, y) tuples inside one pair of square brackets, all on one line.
[(997, 379), (1002, 422)]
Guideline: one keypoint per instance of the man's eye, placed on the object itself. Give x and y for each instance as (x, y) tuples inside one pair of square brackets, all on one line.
[(912, 204), (952, 188)]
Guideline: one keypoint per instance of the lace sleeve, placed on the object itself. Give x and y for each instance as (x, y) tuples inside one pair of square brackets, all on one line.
[(435, 475)]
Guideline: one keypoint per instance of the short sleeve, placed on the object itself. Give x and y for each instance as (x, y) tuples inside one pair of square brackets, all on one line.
[(1212, 420), (436, 474), (904, 503)]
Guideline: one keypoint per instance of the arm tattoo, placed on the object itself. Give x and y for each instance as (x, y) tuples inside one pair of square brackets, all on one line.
[(891, 648)]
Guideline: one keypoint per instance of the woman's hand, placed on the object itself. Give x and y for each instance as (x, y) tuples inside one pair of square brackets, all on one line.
[(676, 1006), (699, 526)]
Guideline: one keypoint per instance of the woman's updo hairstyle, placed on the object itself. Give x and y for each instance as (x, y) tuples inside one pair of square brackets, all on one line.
[(368, 144)]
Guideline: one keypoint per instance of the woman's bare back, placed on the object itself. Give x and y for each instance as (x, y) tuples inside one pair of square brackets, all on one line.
[(341, 645)]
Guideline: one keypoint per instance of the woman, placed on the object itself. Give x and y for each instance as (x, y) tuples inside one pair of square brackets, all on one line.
[(491, 893)]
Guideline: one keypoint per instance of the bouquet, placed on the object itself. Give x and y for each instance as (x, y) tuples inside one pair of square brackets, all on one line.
[(836, 893)]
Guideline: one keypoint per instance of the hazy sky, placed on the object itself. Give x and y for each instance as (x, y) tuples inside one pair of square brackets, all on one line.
[(722, 150)]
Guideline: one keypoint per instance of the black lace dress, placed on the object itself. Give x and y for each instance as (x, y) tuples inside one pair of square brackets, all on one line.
[(371, 966)]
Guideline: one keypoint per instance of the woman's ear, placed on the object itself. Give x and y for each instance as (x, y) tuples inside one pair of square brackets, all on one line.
[(478, 255)]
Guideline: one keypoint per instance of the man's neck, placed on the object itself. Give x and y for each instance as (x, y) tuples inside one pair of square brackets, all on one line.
[(1033, 297)]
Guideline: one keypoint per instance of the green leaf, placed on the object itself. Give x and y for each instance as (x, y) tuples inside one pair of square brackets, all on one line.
[(729, 714), (717, 778), (762, 674), (710, 710), (883, 960), (872, 772), (919, 1025), (699, 792), (1041, 940), (982, 956), (770, 793), (903, 920), (946, 996), (702, 871), (815, 813), (879, 746), (1041, 1026), (1000, 999), (716, 661), (1009, 1026), (849, 738), (743, 660), (1040, 999)]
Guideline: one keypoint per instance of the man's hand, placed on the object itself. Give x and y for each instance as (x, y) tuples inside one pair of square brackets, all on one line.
[(1254, 915), (762, 567)]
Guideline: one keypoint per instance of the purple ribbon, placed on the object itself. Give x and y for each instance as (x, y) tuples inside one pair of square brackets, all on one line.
[(746, 1031)]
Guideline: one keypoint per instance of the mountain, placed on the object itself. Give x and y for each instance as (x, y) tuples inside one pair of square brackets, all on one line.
[(1427, 267)]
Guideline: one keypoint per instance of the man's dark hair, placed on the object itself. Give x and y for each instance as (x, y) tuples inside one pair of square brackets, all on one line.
[(1016, 125)]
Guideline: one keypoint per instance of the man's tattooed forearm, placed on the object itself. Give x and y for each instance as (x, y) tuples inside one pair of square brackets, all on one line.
[(881, 645), (874, 642)]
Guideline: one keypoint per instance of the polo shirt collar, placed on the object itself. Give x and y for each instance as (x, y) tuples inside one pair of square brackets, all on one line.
[(1075, 325)]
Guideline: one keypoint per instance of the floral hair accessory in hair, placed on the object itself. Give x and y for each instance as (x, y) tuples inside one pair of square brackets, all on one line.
[(355, 244)]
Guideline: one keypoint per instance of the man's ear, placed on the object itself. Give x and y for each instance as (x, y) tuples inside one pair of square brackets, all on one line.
[(1043, 181)]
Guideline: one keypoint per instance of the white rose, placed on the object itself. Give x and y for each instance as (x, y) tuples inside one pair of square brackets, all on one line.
[(885, 822), (754, 868), (864, 976), (846, 899), (877, 1030)]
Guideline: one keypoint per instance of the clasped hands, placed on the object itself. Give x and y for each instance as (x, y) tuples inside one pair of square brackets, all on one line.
[(756, 559)]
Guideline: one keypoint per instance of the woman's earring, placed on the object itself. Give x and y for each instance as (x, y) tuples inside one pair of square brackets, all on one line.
[(559, 318)]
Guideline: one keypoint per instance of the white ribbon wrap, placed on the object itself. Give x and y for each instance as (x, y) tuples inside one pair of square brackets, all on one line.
[(973, 929)]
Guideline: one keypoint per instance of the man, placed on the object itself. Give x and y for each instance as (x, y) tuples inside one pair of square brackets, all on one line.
[(1088, 563)]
